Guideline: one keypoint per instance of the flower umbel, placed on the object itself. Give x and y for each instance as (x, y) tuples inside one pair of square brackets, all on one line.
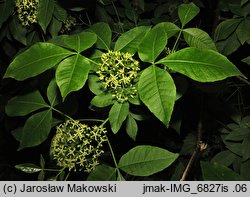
[(78, 146), (27, 11), (68, 25), (118, 72)]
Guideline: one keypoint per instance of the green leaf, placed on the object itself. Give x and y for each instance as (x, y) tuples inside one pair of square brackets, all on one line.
[(56, 122), (59, 41), (189, 144), (228, 46), (33, 37), (102, 14), (246, 147), (95, 85), (81, 41), (42, 162), (120, 177), (105, 2), (6, 8), (243, 2), (103, 173), (71, 74), (36, 129), (146, 160), (55, 27), (187, 12), (35, 60), (104, 34), (238, 134), (53, 93), (45, 12), (25, 104), (138, 116), (117, 115), (181, 84), (157, 91), (244, 170), (243, 32), (237, 9), (226, 28), (135, 100), (130, 40), (201, 65), (102, 100), (198, 38), (95, 56), (246, 60), (131, 127), (18, 31), (131, 14), (235, 147), (141, 4), (170, 28), (60, 13), (77, 9), (17, 133), (212, 171), (245, 122), (41, 175), (28, 168), (225, 158), (178, 171), (153, 44)]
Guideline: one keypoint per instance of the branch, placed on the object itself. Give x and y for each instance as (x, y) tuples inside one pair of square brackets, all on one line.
[(200, 146), (244, 80)]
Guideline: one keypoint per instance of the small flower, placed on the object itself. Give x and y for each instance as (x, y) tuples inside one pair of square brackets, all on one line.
[(169, 51), (68, 25), (27, 11), (78, 146), (118, 72)]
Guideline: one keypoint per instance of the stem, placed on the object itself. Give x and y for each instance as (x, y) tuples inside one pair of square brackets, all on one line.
[(177, 40), (52, 170), (60, 173), (244, 80), (104, 122), (67, 176), (88, 19), (61, 113), (110, 147), (91, 61), (114, 159), (90, 120), (119, 21), (195, 154), (224, 126), (43, 38), (112, 152)]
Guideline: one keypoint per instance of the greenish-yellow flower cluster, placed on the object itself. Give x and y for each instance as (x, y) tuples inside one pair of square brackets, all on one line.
[(68, 25), (78, 146), (27, 11), (118, 71)]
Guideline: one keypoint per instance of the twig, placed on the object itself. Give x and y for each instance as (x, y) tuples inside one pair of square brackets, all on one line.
[(199, 147), (244, 80)]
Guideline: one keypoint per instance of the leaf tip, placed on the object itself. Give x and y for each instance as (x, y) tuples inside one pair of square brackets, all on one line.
[(20, 147), (7, 74)]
